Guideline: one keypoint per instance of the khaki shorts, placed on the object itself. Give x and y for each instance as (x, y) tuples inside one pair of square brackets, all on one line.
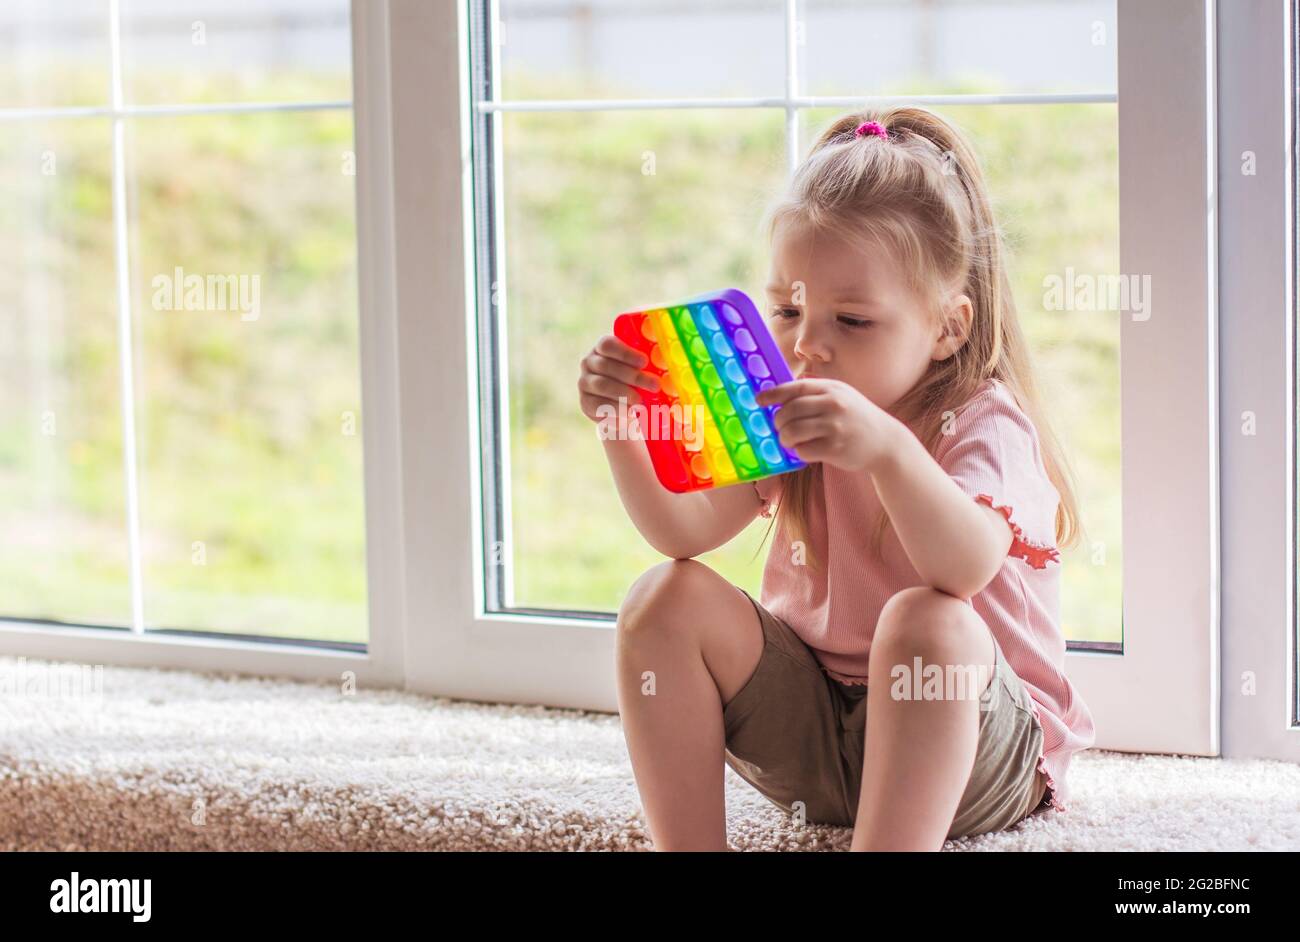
[(797, 734)]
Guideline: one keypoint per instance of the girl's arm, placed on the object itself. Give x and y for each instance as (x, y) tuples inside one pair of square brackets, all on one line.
[(955, 544), (678, 525)]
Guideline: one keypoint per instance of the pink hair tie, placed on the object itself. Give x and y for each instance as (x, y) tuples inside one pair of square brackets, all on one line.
[(871, 127)]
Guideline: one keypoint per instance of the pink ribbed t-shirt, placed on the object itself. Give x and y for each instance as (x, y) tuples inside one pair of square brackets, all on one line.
[(992, 452)]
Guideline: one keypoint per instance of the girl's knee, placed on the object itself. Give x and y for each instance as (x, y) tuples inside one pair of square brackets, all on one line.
[(923, 621), (663, 592)]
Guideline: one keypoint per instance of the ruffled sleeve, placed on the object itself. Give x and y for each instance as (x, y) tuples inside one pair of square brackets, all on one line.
[(991, 449)]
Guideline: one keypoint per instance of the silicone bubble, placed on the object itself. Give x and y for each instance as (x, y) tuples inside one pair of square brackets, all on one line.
[(712, 354)]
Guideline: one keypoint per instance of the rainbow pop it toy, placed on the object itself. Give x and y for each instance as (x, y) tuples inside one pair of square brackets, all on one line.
[(712, 354)]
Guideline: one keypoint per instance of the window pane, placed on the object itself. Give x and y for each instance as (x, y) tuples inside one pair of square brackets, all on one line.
[(883, 46), (184, 51), (53, 54), (62, 504), (580, 223), (606, 212), (641, 48), (248, 398), (1054, 175)]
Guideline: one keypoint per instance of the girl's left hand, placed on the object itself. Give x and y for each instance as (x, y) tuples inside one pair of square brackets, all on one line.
[(828, 420)]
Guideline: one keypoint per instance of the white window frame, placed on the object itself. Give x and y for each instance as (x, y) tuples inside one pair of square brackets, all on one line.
[(1257, 83), (380, 665), (429, 630), (1162, 693)]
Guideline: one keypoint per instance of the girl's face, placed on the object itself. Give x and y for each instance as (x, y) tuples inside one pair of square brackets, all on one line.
[(858, 321)]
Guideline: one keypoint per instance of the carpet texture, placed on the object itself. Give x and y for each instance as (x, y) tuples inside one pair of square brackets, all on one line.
[(164, 760)]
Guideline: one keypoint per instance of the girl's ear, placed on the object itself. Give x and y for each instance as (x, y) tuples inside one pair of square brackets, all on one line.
[(954, 328)]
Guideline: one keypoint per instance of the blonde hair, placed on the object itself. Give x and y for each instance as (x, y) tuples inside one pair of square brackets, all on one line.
[(921, 193)]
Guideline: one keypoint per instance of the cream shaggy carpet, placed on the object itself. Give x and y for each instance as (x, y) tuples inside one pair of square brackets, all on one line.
[(182, 761)]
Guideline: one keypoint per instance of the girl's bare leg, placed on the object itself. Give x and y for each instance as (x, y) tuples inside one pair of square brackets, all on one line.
[(919, 753), (688, 640)]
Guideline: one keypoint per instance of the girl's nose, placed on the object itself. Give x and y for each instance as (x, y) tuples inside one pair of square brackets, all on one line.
[(810, 345)]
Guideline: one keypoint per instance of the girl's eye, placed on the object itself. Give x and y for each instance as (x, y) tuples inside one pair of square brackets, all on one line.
[(789, 313)]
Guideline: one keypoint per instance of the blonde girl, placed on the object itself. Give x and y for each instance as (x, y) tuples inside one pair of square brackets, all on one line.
[(902, 671)]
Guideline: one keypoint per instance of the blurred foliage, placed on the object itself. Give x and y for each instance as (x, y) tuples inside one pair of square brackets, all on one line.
[(240, 422), (248, 422)]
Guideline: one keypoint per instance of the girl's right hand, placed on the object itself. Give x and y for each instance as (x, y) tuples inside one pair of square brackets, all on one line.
[(609, 372)]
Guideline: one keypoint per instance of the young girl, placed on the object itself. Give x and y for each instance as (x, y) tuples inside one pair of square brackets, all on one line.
[(919, 544)]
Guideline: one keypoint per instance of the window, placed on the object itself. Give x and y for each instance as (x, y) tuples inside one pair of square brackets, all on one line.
[(625, 152), (180, 431), (495, 229)]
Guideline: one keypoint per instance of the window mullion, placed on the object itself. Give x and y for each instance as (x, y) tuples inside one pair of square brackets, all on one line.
[(124, 331), (791, 85)]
